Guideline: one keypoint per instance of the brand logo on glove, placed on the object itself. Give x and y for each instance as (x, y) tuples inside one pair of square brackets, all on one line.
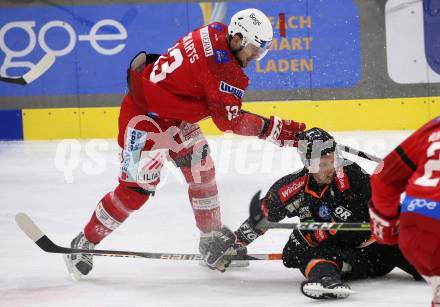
[(248, 232)]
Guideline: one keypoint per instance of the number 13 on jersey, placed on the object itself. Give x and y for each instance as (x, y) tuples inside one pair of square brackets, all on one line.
[(163, 67)]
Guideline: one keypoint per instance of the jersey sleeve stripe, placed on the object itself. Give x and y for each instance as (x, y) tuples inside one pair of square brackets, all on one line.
[(405, 158)]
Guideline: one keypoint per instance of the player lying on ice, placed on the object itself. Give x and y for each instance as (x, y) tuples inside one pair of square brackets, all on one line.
[(412, 168), (201, 76), (328, 188)]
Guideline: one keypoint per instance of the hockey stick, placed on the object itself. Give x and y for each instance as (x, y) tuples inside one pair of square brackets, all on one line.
[(35, 234), (359, 153), (34, 73), (262, 223), (345, 148)]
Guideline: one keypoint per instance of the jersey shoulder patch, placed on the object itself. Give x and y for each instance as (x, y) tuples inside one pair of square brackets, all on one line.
[(218, 26), (291, 188), (220, 62), (342, 180)]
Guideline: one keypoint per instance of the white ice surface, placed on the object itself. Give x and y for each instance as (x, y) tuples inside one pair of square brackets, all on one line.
[(32, 180)]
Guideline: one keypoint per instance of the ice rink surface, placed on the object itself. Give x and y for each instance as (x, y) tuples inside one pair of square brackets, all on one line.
[(59, 183)]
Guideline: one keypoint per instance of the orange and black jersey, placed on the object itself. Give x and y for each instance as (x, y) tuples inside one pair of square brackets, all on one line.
[(344, 200)]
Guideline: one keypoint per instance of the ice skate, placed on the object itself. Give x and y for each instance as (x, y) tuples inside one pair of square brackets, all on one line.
[(325, 288), (79, 265)]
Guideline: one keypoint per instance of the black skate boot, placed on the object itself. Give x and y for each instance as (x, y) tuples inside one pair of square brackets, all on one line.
[(79, 265), (324, 282)]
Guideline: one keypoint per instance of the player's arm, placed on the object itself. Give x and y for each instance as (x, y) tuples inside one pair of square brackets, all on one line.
[(279, 131), (225, 108), (273, 207), (387, 184), (389, 181), (134, 77)]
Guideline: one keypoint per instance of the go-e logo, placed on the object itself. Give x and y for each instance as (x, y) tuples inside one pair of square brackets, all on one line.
[(28, 26)]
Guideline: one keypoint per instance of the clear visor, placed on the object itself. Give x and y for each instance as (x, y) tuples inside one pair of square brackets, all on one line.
[(257, 52)]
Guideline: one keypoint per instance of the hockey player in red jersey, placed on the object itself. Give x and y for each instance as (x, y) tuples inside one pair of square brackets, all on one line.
[(412, 168), (201, 76)]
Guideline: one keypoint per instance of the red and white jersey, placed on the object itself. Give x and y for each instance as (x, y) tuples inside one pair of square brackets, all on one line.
[(197, 78), (413, 167)]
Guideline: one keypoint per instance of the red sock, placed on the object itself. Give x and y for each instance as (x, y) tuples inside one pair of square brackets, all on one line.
[(112, 210)]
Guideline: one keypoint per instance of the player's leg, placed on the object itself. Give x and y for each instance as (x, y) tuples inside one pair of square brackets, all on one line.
[(138, 179), (419, 240), (374, 260), (324, 280), (434, 281), (320, 265), (198, 169), (139, 175)]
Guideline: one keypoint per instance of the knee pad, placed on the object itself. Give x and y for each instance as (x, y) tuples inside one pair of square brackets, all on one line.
[(201, 173), (190, 135), (195, 146), (130, 198)]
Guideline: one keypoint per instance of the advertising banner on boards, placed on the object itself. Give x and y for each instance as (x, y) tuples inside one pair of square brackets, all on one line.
[(317, 45)]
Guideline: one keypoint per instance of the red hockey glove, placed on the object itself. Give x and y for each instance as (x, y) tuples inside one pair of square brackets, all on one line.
[(316, 237), (384, 229), (282, 132)]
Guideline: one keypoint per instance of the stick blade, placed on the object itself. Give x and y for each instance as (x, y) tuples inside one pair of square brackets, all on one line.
[(28, 226), (40, 68), (18, 80)]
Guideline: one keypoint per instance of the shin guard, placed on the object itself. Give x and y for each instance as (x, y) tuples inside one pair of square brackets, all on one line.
[(203, 195), (111, 211)]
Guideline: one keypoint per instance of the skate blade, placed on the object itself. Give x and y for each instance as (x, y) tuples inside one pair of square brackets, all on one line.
[(74, 274), (233, 264), (317, 291)]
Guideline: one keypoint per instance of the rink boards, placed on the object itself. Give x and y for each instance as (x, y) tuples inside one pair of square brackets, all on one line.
[(337, 115)]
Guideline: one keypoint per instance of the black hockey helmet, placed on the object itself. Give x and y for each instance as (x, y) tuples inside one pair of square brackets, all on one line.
[(315, 143)]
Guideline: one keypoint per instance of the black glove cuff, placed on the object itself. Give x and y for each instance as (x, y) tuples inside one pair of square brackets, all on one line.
[(247, 233), (266, 124)]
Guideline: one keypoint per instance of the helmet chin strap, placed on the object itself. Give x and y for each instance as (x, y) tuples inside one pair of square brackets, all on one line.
[(235, 52)]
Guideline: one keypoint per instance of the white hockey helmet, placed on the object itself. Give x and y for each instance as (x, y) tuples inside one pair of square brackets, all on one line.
[(254, 27)]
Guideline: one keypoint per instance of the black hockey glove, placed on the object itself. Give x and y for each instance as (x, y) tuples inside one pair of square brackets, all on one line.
[(316, 237), (218, 249)]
